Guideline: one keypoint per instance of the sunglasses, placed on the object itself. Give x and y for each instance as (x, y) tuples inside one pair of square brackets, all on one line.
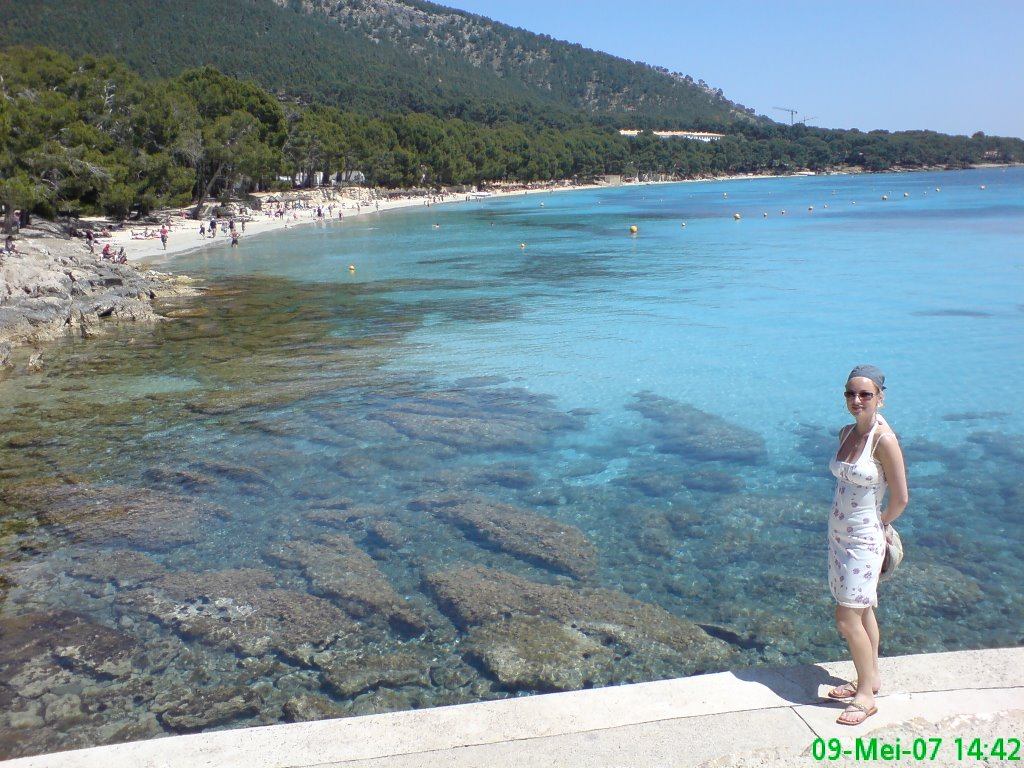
[(865, 396)]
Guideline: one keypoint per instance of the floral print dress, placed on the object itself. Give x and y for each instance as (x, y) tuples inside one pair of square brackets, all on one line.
[(856, 539)]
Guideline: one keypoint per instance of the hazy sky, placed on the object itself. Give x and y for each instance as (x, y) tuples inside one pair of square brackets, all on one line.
[(945, 65)]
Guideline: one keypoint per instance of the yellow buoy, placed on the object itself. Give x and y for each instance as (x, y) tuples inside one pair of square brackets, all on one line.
[(351, 267), (736, 216), (634, 229), (683, 224), (522, 245)]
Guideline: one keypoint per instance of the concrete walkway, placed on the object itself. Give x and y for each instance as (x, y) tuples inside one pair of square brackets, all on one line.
[(751, 717)]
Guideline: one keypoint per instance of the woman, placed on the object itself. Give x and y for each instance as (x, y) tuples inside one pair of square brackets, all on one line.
[(868, 462)]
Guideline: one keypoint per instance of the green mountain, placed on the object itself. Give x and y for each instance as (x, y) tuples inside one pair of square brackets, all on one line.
[(375, 57)]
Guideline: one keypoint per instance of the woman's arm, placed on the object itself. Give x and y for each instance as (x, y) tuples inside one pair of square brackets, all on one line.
[(889, 453)]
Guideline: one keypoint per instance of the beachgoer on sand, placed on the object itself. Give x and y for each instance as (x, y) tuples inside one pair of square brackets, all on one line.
[(868, 463), (163, 236)]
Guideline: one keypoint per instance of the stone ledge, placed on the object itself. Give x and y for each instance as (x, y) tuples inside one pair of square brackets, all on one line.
[(687, 721)]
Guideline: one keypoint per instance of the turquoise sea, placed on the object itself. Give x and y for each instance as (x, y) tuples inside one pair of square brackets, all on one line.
[(516, 449)]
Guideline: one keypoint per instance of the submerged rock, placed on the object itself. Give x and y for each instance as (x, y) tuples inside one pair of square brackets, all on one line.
[(367, 673), (654, 484), (347, 515), (473, 477), (692, 433), (187, 479), (925, 588), (123, 567), (209, 707), (539, 654), (654, 534), (312, 707), (267, 395), (481, 420), (713, 481), (339, 570), (62, 640), (554, 545), (739, 523), (579, 637), (242, 611), (136, 517), (236, 473)]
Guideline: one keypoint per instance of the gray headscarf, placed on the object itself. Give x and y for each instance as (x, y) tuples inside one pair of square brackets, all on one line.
[(868, 372)]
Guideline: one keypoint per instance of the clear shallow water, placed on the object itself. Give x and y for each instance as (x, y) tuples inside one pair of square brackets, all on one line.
[(668, 400)]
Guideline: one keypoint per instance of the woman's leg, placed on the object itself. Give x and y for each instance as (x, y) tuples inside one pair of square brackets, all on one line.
[(861, 634), (870, 622)]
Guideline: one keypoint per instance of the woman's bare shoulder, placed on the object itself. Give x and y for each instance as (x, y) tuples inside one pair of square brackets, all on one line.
[(886, 442), (884, 428)]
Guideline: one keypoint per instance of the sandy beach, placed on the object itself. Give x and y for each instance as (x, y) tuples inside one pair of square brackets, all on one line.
[(294, 209), (279, 211)]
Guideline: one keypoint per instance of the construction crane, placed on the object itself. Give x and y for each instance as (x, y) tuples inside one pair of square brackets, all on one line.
[(792, 113), (804, 119)]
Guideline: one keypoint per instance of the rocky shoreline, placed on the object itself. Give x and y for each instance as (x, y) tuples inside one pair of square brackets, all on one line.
[(51, 286)]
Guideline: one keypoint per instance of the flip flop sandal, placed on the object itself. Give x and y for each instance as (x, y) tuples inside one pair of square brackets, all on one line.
[(868, 712), (846, 691)]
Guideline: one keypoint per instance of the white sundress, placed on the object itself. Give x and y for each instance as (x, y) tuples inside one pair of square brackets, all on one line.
[(856, 539)]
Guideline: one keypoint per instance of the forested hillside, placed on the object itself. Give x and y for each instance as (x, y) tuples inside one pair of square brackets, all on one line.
[(88, 135), (133, 106), (589, 81), (374, 57)]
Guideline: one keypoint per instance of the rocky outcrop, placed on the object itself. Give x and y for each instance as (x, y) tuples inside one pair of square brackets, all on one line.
[(554, 545), (542, 637), (52, 286)]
